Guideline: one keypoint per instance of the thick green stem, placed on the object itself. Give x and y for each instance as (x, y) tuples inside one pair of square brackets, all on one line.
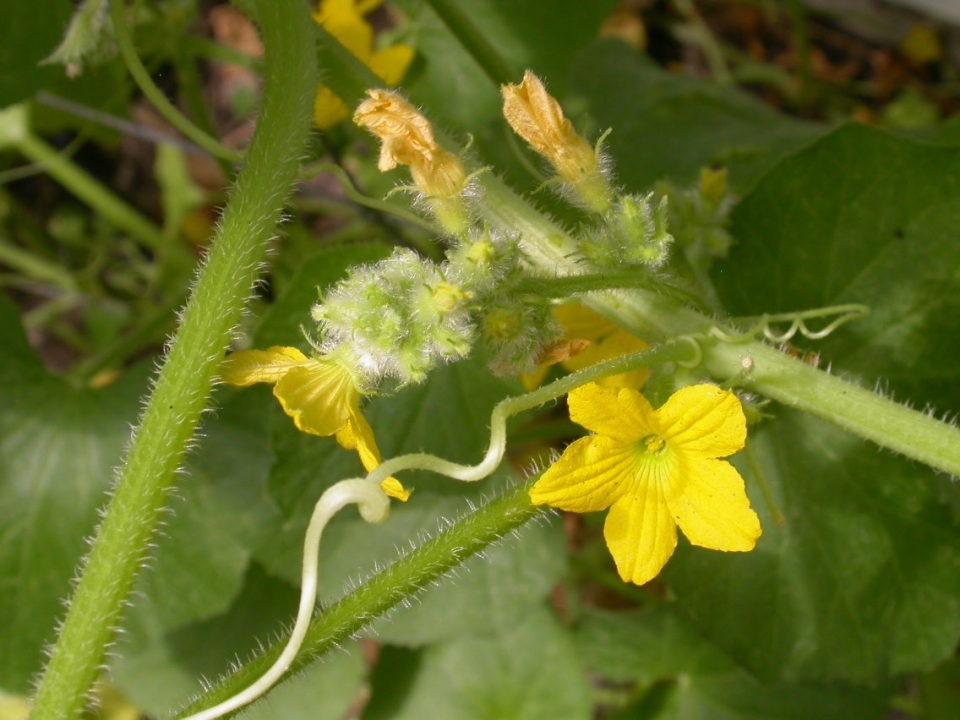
[(154, 94), (761, 368), (384, 591), (183, 386)]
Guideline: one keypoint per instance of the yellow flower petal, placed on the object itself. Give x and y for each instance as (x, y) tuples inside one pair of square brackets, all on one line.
[(328, 109), (712, 507), (256, 366), (341, 19), (319, 396), (619, 413), (616, 344), (580, 321), (390, 64), (705, 420), (358, 435), (588, 477), (537, 117), (393, 488), (641, 534)]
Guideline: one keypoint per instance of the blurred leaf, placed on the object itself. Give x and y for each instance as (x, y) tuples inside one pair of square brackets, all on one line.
[(58, 447), (29, 32), (528, 34), (861, 582), (523, 671), (179, 194), (683, 677), (667, 126)]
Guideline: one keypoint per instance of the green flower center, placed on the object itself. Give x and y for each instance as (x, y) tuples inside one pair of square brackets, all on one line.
[(654, 444)]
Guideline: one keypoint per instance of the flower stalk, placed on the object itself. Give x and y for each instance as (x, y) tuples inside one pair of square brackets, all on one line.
[(183, 385)]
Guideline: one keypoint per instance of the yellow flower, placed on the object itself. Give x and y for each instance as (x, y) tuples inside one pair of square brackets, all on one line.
[(655, 470), (320, 394), (588, 339), (344, 20), (538, 118), (407, 139)]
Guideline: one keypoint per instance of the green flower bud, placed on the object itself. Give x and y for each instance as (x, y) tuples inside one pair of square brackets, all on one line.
[(400, 318)]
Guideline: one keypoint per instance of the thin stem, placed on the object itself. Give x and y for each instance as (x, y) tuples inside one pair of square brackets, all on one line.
[(761, 478), (384, 591), (89, 190), (123, 539), (155, 95), (682, 351), (360, 199)]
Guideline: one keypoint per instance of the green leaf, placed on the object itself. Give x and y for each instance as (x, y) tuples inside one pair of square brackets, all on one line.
[(159, 669), (58, 447), (667, 126), (861, 582), (544, 37), (524, 671), (681, 676), (29, 32)]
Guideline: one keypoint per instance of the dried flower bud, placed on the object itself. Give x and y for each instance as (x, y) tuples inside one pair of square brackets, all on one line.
[(537, 117), (407, 139)]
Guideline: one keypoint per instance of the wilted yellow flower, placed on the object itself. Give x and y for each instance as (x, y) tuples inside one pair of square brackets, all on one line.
[(588, 339), (655, 470), (407, 139), (320, 394), (538, 118), (344, 20)]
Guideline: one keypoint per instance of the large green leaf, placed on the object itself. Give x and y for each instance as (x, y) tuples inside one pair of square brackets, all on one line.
[(685, 677), (668, 126), (528, 34), (522, 671), (29, 32), (58, 447), (861, 581)]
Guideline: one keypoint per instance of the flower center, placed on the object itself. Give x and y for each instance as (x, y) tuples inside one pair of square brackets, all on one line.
[(654, 444)]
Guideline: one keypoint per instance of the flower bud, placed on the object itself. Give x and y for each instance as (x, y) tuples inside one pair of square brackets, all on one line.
[(407, 139), (399, 318), (537, 117)]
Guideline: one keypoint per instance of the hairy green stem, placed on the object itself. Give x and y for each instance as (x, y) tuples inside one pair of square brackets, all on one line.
[(761, 368), (384, 591), (184, 383), (154, 94)]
